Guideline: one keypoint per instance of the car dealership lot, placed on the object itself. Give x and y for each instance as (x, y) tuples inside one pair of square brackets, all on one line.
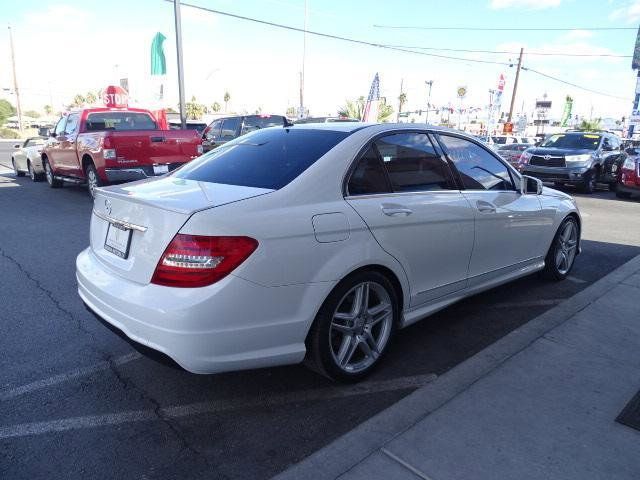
[(78, 400)]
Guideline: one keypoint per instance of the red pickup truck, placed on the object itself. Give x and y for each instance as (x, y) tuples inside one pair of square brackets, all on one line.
[(99, 146)]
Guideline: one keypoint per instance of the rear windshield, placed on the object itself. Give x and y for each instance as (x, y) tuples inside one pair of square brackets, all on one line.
[(256, 122), (579, 141), (268, 158), (119, 121)]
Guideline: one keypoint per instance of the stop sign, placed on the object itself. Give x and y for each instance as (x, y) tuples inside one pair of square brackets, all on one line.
[(115, 97)]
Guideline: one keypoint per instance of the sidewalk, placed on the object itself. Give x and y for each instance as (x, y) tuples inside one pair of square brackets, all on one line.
[(540, 403)]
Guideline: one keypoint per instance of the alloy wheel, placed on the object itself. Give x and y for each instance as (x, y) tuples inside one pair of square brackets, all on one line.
[(48, 173), (360, 327), (92, 181), (32, 174), (566, 246)]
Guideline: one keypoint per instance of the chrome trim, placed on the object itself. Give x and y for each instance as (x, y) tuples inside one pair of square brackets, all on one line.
[(403, 194), (121, 223)]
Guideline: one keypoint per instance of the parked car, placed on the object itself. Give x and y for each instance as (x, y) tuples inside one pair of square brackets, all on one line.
[(575, 158), (317, 242), (326, 120), (100, 146), (225, 129), (26, 158), (512, 153), (191, 125), (629, 180)]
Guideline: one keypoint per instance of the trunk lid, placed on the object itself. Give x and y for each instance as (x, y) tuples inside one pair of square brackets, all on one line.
[(152, 212)]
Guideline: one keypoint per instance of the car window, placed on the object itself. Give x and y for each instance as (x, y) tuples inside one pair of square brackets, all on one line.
[(119, 121), (268, 158), (30, 142), (479, 169), (573, 141), (256, 122), (412, 163), (214, 130), (72, 124), (615, 142), (59, 130), (369, 176), (229, 128)]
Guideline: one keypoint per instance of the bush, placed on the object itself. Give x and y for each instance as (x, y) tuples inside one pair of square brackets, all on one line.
[(9, 133)]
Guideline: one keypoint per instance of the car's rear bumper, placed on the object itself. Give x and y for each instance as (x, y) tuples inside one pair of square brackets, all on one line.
[(231, 325), (130, 174), (556, 174)]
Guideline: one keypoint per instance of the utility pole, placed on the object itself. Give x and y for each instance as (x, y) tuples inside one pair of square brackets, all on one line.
[(15, 81), (430, 83), (304, 61), (515, 86), (176, 9), (400, 99)]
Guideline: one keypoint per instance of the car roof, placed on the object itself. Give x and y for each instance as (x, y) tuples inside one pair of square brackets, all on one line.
[(351, 127)]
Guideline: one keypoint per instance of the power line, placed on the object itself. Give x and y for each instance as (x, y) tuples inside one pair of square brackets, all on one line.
[(389, 47), (575, 85), (505, 29), (506, 52), (335, 37)]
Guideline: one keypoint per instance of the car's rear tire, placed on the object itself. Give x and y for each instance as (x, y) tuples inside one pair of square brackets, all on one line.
[(93, 179), (35, 177), (49, 175), (353, 327), (563, 250), (15, 168), (620, 194)]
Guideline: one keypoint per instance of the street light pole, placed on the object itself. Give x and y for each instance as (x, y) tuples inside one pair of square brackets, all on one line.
[(176, 9), (304, 61), (515, 86), (430, 83), (15, 81)]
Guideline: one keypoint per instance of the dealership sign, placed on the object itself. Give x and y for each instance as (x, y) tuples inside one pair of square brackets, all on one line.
[(115, 96)]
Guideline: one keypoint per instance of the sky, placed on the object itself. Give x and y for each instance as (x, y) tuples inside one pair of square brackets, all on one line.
[(64, 47)]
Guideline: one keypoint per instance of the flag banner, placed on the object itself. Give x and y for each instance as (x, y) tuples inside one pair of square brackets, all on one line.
[(158, 61), (372, 106)]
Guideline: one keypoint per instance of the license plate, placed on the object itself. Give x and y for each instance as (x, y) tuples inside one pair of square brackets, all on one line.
[(160, 169), (118, 240)]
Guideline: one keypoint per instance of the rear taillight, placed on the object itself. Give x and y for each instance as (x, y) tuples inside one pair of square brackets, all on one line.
[(196, 261), (109, 153)]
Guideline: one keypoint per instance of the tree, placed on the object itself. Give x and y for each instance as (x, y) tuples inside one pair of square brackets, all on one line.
[(402, 99), (32, 114), (47, 109), (78, 101), (227, 97), (291, 112), (590, 125), (6, 110), (171, 110), (194, 110), (215, 107), (91, 98), (355, 109)]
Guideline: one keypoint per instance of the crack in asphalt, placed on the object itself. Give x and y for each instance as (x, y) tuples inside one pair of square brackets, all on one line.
[(126, 382)]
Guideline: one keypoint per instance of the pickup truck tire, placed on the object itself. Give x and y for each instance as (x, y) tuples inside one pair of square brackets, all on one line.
[(93, 180), (48, 173), (15, 168), (620, 194), (589, 183)]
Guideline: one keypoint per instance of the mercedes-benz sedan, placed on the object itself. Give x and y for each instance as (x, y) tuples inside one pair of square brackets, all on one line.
[(316, 242)]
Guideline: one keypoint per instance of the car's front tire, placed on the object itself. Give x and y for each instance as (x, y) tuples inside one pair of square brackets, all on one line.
[(563, 250), (589, 183), (353, 328), (35, 177)]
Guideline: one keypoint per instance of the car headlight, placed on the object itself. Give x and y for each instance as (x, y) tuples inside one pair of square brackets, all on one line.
[(578, 159), (629, 164)]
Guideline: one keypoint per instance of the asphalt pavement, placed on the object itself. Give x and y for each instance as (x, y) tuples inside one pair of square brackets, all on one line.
[(79, 401)]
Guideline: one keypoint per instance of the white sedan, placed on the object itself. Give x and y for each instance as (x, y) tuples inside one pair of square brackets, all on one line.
[(26, 158), (316, 242)]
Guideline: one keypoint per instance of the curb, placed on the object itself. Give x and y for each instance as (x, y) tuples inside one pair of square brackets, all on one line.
[(353, 447)]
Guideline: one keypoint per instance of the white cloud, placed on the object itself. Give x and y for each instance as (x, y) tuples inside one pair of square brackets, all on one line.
[(578, 35), (532, 4), (630, 13)]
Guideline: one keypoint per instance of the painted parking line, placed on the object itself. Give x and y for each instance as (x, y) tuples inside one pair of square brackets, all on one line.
[(180, 411), (64, 377)]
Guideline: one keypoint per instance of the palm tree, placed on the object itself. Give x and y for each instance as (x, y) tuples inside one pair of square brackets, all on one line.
[(226, 98), (355, 109), (402, 99), (91, 98), (47, 109), (194, 110), (590, 125), (215, 107), (78, 101)]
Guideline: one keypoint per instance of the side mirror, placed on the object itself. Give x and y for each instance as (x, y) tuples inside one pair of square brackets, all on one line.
[(530, 186), (52, 133)]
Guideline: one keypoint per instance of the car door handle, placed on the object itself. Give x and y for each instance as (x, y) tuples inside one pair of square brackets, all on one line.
[(485, 207), (395, 210)]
